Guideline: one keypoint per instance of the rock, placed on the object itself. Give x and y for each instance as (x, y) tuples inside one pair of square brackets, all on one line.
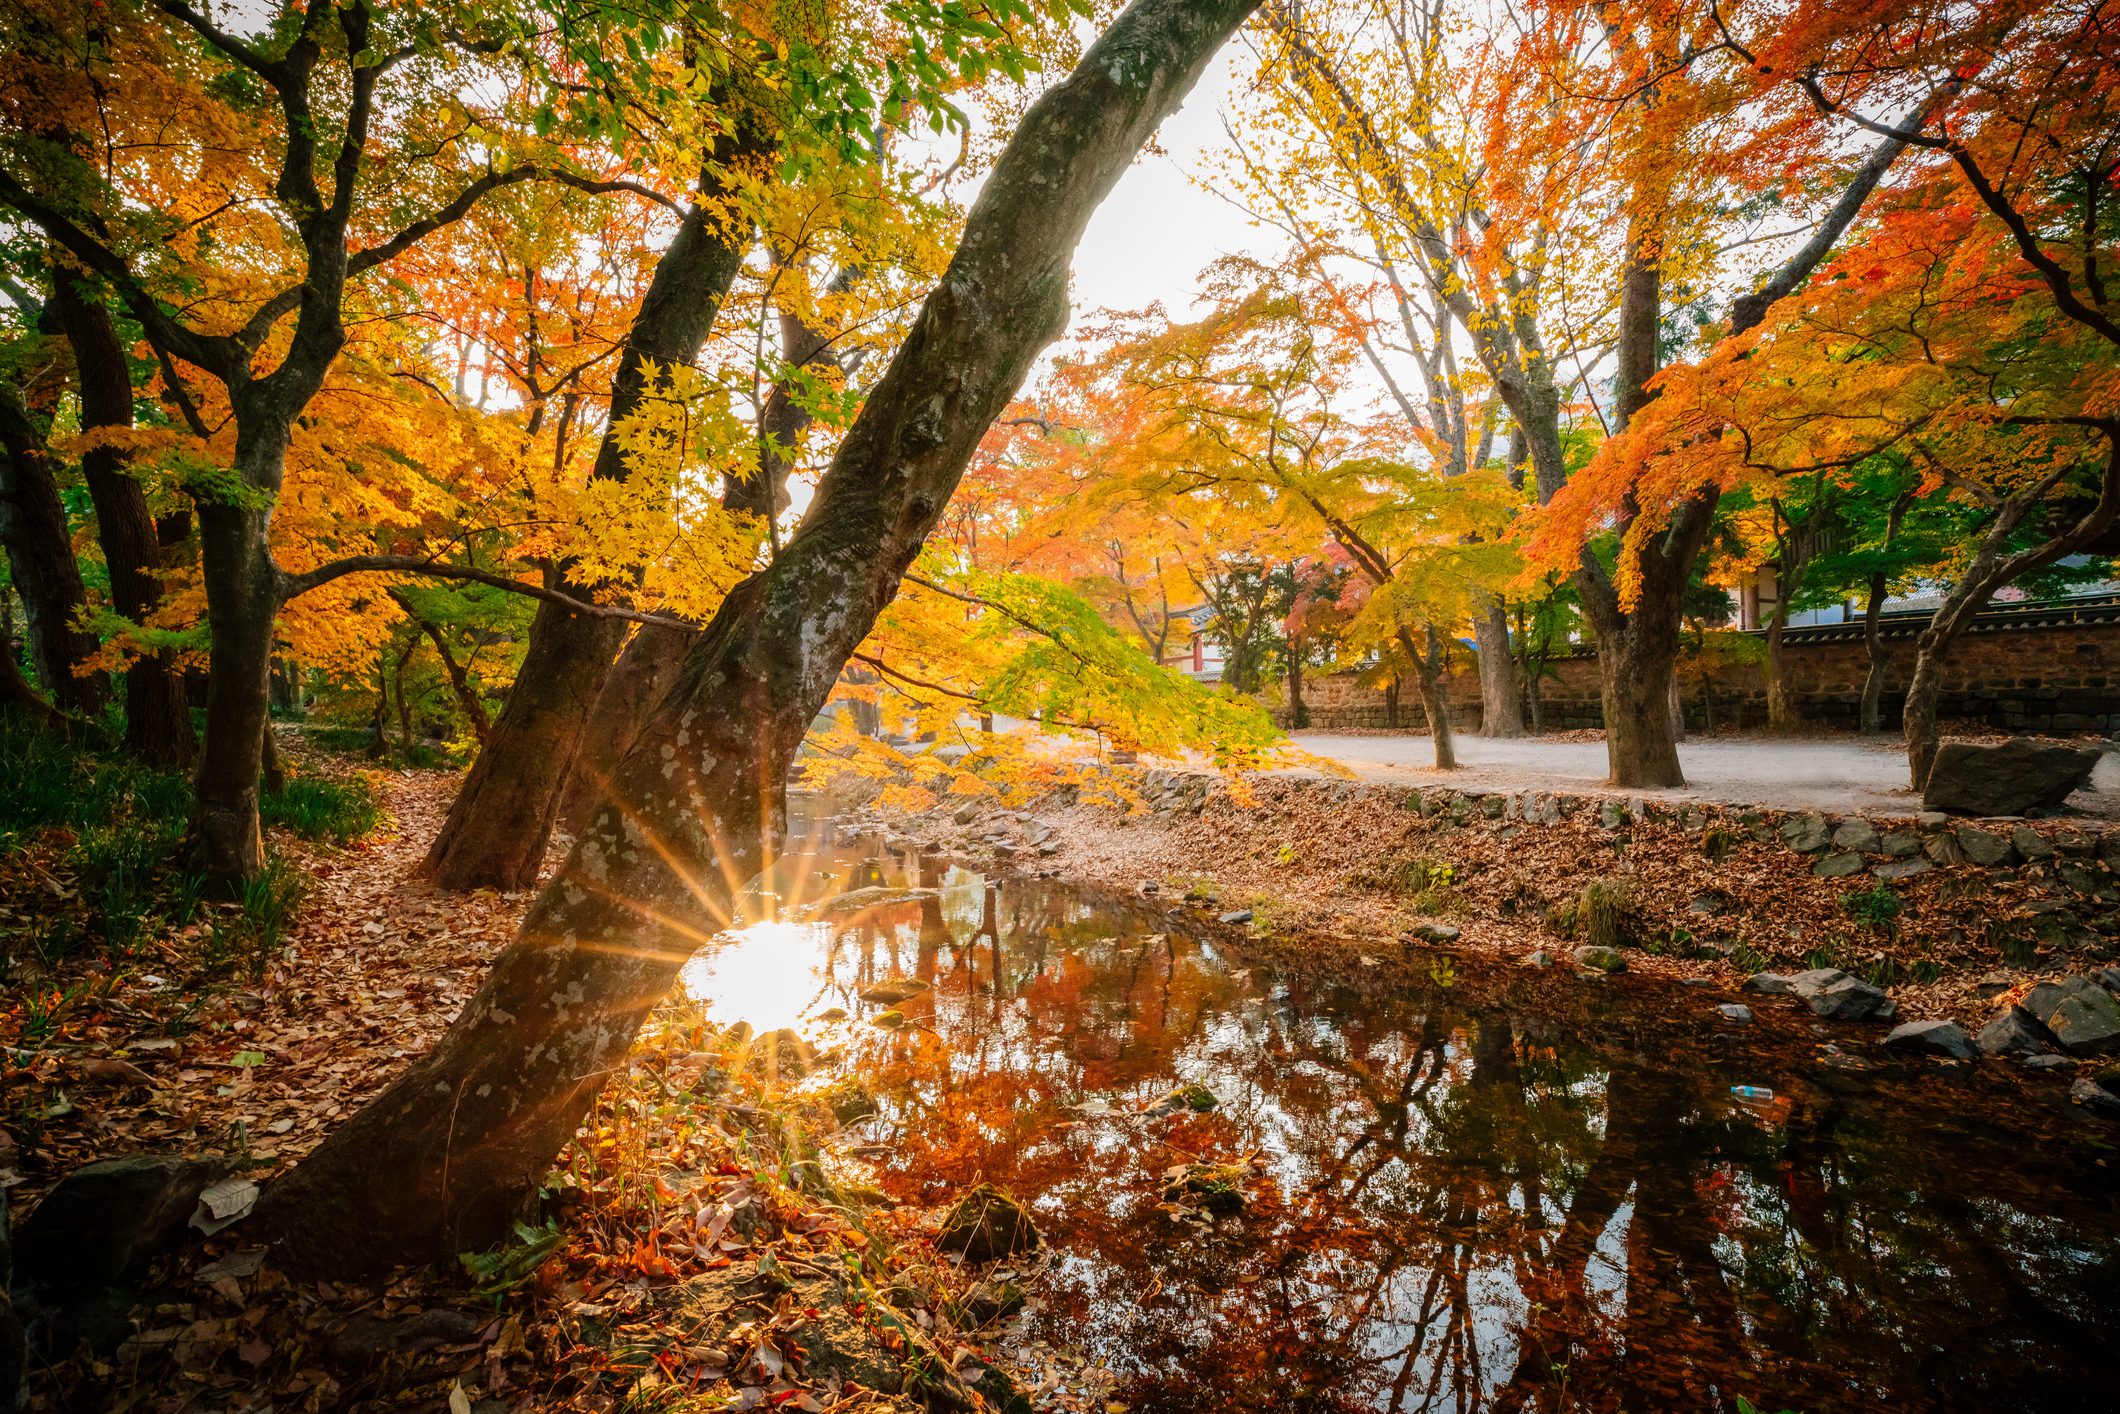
[(2095, 1097), (1896, 869), (1838, 866), (14, 1349), (1943, 1038), (1598, 959), (1852, 999), (1769, 984), (1612, 815), (105, 1221), (1241, 915), (1541, 958), (1435, 932), (986, 1302), (2083, 1016), (987, 1225), (366, 1339), (1806, 834), (1983, 847), (1811, 982), (1994, 984), (1708, 905), (1857, 834), (893, 990), (2048, 1061), (2030, 843), (2108, 978), (1736, 1013), (1898, 844), (2010, 1032), (2010, 779), (1150, 886), (1194, 1097)]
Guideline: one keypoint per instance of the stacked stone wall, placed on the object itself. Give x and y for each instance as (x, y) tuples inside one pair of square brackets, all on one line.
[(2021, 678)]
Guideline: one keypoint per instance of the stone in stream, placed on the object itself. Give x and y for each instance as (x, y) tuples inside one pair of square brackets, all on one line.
[(2095, 1097), (1435, 932), (1242, 915), (1852, 999), (1597, 959), (2083, 1016), (2017, 776), (1736, 1013), (893, 990), (2011, 1032), (987, 1225), (1943, 1038)]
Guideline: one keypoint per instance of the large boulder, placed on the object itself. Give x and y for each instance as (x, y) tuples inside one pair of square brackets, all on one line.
[(2082, 1015), (104, 1222), (2019, 775)]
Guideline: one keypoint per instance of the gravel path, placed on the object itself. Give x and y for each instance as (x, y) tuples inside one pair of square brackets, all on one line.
[(1792, 774)]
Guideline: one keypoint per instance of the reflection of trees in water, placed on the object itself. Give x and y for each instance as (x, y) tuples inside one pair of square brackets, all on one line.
[(1468, 1211)]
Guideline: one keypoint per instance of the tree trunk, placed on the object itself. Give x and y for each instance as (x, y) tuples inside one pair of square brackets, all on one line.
[(1501, 704), (40, 557), (1298, 713), (498, 826), (1391, 703), (1428, 681), (1636, 666), (272, 773), (242, 599), (1879, 656), (157, 707), (440, 1160), (644, 671), (1782, 715)]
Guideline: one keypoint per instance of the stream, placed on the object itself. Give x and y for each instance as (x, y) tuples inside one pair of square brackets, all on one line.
[(1470, 1186)]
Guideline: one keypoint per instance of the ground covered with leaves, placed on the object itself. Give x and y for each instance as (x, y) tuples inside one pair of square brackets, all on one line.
[(692, 1249)]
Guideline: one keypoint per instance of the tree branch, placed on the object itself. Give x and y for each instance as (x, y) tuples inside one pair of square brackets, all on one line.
[(293, 586)]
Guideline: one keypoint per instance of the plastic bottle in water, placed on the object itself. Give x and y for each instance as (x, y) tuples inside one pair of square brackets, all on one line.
[(1751, 1092)]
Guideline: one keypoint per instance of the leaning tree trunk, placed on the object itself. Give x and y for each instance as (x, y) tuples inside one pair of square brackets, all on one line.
[(440, 1160), (40, 557), (157, 708), (1501, 704), (651, 657), (498, 826)]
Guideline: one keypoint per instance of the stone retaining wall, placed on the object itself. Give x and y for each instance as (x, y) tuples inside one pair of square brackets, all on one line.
[(2082, 855), (2022, 678)]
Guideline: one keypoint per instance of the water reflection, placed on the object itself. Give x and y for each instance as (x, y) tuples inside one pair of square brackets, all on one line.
[(1484, 1191)]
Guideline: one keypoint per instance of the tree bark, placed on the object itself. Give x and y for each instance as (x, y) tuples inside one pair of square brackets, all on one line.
[(242, 599), (1880, 657), (440, 1160), (1435, 703), (40, 557), (498, 826), (1501, 704), (1298, 712), (157, 707)]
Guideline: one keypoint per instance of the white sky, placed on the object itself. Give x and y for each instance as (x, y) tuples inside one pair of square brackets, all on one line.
[(1160, 227)]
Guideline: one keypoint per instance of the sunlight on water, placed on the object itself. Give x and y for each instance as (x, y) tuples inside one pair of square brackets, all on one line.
[(768, 974)]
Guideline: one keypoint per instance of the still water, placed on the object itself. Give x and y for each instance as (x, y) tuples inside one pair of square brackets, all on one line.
[(1472, 1187)]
